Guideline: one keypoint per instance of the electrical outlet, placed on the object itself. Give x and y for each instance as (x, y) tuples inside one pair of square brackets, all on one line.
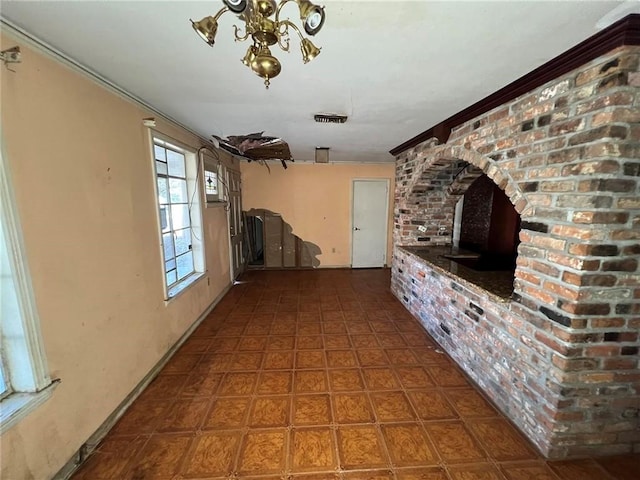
[(422, 228)]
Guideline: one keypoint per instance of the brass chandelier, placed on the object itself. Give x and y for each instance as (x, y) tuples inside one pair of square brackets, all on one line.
[(266, 32)]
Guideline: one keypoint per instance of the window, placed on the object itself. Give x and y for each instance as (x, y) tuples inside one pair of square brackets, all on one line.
[(214, 175), (211, 183), (24, 376), (180, 215)]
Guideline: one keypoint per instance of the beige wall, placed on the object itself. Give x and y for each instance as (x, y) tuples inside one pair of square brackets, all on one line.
[(315, 199), (80, 161)]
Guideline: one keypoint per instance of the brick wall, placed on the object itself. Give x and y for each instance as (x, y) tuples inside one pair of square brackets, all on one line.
[(561, 356)]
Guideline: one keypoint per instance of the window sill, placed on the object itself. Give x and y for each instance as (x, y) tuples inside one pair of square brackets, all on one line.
[(216, 204), (18, 405), (176, 290)]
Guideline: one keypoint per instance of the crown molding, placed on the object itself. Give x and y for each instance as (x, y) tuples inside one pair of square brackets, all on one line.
[(623, 32)]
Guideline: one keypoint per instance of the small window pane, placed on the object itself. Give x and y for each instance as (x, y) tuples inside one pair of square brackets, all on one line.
[(179, 216), (167, 243), (163, 194), (178, 190), (175, 161), (171, 278), (170, 265), (161, 168), (158, 152), (3, 384), (183, 241), (164, 218), (185, 265), (210, 182)]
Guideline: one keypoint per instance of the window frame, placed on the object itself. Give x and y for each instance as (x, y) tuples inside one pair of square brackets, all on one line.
[(25, 368), (193, 174), (211, 163)]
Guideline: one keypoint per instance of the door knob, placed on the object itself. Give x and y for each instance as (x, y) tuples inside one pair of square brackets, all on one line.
[(356, 228)]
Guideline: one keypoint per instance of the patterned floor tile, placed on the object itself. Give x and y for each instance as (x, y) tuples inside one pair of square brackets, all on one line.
[(184, 415), (469, 403), (321, 376), (255, 344), (401, 356), (527, 471), (422, 473), (364, 341), (111, 459), (414, 377), (201, 385), (345, 380), (501, 440), (270, 412), (228, 413), (310, 381), (160, 457), (352, 408), (310, 359), (312, 449), (380, 379), (372, 357), (311, 410), (431, 405), (454, 443), (238, 384), (212, 455), (337, 342), (360, 448), (408, 445), (278, 360), (309, 342), (392, 407), (262, 452), (482, 471), (586, 469), (341, 359), (448, 376), (272, 383)]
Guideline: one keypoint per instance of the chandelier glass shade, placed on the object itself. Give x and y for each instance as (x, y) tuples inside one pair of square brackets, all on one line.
[(262, 24)]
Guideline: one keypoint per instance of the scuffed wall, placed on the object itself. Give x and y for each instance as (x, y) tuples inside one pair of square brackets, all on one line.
[(80, 161)]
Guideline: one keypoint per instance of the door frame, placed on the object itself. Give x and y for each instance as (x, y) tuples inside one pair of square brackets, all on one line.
[(386, 215), (233, 274)]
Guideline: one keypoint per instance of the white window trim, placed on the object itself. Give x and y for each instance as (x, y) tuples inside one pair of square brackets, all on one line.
[(32, 391), (212, 163), (200, 270)]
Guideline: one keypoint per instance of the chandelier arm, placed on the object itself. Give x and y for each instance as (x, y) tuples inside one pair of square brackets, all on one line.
[(222, 11), (240, 38), (293, 25), (280, 5)]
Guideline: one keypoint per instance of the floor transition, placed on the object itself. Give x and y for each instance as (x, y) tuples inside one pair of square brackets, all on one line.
[(321, 375)]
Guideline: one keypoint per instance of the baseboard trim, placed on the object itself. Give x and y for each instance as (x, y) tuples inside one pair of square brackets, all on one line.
[(80, 456)]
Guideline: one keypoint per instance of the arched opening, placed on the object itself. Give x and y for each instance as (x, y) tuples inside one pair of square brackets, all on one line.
[(486, 223)]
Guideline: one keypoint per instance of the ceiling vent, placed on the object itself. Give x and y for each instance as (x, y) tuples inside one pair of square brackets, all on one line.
[(322, 155), (329, 118)]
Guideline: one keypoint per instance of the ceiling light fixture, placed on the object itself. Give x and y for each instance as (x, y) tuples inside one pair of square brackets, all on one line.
[(266, 32)]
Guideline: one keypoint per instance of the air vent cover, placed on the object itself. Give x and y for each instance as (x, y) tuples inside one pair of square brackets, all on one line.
[(329, 118)]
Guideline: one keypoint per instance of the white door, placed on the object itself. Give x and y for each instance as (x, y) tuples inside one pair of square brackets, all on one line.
[(369, 226), (236, 224)]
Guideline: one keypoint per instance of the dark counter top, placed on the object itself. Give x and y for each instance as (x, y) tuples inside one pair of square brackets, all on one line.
[(497, 283)]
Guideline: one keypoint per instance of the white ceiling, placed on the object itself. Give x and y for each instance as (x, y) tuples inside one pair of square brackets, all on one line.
[(395, 67)]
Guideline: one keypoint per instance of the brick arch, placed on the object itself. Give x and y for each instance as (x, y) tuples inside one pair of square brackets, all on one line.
[(438, 167)]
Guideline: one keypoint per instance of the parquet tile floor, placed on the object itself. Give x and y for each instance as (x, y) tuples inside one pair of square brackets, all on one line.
[(321, 375)]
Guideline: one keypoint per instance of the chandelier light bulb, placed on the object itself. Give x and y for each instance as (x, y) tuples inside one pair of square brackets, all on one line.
[(263, 25)]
